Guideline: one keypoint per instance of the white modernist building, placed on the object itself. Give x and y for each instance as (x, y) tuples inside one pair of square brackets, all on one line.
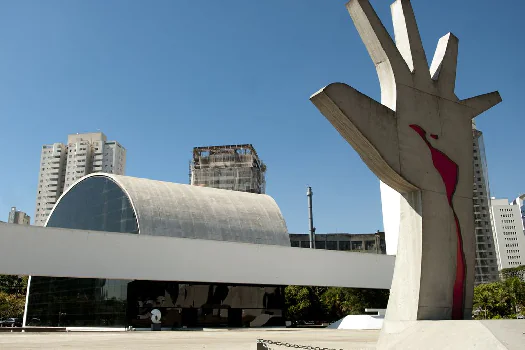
[(115, 247), (63, 164), (509, 234)]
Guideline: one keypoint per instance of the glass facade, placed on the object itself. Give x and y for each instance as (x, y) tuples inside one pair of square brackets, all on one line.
[(204, 305), (99, 204)]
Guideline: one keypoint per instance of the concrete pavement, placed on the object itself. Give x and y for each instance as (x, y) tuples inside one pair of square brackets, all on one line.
[(207, 339)]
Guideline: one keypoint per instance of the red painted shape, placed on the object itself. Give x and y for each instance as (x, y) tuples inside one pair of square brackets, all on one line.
[(434, 136), (449, 172)]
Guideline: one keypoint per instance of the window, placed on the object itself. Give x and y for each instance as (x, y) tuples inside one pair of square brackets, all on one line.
[(344, 245), (357, 245), (331, 245)]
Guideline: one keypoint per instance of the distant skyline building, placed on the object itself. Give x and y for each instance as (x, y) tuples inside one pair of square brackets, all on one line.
[(486, 260), (373, 243), (63, 164), (508, 229), (229, 167), (18, 217)]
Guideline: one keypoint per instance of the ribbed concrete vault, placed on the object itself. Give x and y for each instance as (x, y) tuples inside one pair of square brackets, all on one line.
[(185, 211)]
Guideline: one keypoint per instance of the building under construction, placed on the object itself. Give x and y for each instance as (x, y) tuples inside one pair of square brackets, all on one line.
[(230, 167)]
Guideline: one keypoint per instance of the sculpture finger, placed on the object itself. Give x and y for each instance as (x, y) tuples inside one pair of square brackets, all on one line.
[(481, 103), (408, 40), (378, 42), (444, 63)]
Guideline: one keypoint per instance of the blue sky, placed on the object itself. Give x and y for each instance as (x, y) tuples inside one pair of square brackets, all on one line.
[(162, 77)]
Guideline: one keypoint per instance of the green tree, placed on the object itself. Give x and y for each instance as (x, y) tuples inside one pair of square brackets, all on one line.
[(518, 272), (11, 305), (330, 304), (340, 302), (12, 295), (503, 299), (515, 289), (303, 303), (13, 284)]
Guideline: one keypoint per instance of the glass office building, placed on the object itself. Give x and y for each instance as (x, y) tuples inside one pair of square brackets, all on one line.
[(112, 203)]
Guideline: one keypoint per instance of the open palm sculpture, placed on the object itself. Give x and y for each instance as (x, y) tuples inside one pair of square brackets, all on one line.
[(418, 141)]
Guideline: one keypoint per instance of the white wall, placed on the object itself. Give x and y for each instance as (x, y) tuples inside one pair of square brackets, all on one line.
[(40, 251)]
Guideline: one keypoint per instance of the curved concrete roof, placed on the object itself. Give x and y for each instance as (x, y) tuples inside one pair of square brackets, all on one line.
[(179, 210)]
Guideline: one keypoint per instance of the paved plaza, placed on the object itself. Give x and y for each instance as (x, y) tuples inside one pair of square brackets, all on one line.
[(206, 339)]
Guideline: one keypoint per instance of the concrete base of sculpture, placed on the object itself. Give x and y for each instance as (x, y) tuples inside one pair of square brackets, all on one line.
[(480, 335)]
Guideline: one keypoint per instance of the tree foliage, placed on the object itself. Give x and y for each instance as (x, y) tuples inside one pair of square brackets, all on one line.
[(11, 305), (12, 295), (330, 304), (518, 272), (13, 284), (503, 299), (303, 303)]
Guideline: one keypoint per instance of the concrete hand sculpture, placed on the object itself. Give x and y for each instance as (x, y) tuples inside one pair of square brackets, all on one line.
[(418, 141)]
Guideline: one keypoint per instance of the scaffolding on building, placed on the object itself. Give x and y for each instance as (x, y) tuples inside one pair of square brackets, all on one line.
[(229, 167)]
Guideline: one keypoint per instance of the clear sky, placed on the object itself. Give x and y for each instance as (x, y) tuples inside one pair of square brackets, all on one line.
[(162, 77)]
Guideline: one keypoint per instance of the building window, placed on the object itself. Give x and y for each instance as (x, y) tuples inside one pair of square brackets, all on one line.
[(344, 245), (331, 245), (357, 245)]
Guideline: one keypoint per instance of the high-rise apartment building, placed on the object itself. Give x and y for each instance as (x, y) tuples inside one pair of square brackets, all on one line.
[(63, 164), (231, 167), (486, 260), (508, 232), (18, 217)]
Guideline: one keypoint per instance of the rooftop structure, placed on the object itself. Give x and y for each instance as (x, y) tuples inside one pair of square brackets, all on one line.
[(229, 167)]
